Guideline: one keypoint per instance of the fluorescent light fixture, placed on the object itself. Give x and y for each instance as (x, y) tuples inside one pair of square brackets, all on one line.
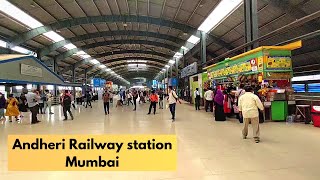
[(131, 65), (193, 39), (306, 78), (94, 61), (163, 69), (19, 87), (167, 66), (21, 50), (53, 36), (16, 13), (70, 46), (220, 13), (102, 66), (142, 65), (85, 56), (3, 44), (172, 61), (112, 72), (108, 69)]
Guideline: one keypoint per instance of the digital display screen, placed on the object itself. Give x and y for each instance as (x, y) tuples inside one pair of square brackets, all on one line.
[(299, 88), (314, 88)]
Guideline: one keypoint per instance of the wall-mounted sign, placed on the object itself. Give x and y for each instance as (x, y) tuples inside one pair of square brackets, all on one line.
[(29, 70), (189, 70), (96, 82)]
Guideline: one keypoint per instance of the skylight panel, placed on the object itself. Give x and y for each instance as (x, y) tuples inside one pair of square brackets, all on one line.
[(16, 13), (222, 11), (70, 46), (53, 36), (94, 61), (193, 39)]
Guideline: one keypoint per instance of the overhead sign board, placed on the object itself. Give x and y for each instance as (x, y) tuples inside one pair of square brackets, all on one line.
[(189, 70)]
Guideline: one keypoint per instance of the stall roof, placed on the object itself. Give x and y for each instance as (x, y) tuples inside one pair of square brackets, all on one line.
[(291, 46), (26, 69)]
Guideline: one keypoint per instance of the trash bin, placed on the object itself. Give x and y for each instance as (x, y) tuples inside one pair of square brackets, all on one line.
[(315, 115)]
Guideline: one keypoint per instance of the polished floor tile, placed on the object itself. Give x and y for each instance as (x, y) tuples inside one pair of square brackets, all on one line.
[(207, 149)]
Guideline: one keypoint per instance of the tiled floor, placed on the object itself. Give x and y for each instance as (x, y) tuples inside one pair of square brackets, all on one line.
[(207, 149)]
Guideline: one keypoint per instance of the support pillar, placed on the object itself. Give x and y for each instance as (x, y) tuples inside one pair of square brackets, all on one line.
[(203, 48), (74, 80), (177, 73), (55, 69), (251, 22), (171, 71)]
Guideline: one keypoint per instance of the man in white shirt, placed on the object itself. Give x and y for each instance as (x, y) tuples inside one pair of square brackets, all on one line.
[(197, 98), (208, 96), (32, 100), (249, 105)]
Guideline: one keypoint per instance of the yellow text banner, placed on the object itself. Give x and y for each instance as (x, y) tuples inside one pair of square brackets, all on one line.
[(92, 152)]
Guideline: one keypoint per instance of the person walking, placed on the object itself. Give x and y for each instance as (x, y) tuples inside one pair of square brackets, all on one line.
[(41, 102), (172, 100), (218, 102), (23, 103), (2, 106), (249, 105), (12, 109), (197, 98), (135, 97), (161, 96), (66, 104), (129, 98), (153, 102), (106, 99), (208, 96), (88, 99), (72, 101), (32, 100), (48, 103)]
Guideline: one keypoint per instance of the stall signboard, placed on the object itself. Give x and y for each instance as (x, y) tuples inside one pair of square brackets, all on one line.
[(189, 70), (174, 82), (96, 82), (31, 70), (250, 65), (278, 63)]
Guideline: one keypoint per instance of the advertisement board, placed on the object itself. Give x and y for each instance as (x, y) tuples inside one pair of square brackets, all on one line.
[(278, 63), (189, 70)]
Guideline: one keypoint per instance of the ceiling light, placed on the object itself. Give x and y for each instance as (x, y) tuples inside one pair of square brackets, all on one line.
[(94, 61), (125, 24), (53, 36), (167, 66), (130, 65), (108, 69), (112, 72), (85, 56), (172, 61), (80, 53), (163, 69), (102, 66), (221, 12), (142, 61), (70, 46), (193, 39), (16, 13)]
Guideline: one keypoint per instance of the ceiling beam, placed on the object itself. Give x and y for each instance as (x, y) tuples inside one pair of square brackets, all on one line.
[(52, 47)]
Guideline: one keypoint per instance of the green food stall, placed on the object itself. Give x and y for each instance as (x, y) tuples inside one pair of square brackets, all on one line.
[(269, 68)]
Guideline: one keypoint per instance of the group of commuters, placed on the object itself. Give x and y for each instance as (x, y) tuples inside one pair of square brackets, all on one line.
[(36, 101), (245, 104), (131, 96)]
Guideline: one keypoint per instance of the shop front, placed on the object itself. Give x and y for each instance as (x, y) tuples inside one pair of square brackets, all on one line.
[(268, 69)]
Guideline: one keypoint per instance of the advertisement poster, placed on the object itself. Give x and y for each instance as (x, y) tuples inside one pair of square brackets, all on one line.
[(279, 63)]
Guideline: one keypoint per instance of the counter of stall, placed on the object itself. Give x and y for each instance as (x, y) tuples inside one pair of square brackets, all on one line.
[(268, 69)]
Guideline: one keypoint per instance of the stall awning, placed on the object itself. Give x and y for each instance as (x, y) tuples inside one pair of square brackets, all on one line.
[(26, 69)]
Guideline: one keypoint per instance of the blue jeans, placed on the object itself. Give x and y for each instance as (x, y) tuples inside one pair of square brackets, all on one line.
[(173, 109)]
